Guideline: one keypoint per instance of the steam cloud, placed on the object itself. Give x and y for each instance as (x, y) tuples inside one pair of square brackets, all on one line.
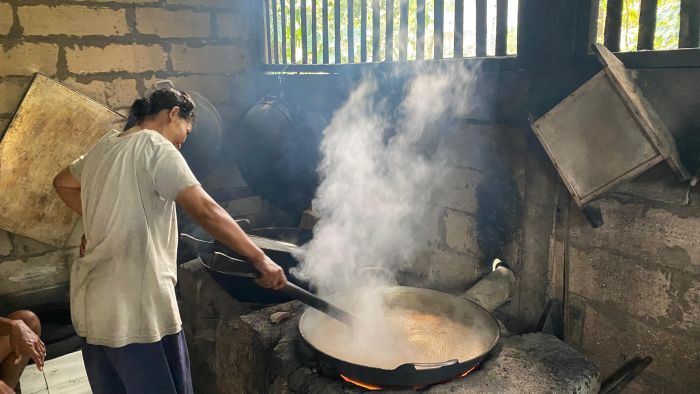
[(379, 169), (380, 165)]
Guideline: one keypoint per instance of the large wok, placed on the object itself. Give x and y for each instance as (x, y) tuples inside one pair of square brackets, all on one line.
[(244, 288), (453, 334)]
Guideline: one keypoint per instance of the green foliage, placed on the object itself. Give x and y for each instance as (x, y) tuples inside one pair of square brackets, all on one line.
[(667, 24)]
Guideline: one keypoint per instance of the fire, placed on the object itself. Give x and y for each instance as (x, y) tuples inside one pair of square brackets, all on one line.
[(468, 371), (363, 385), (375, 388)]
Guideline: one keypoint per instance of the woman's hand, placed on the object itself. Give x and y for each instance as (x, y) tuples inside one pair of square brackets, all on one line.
[(25, 342), (272, 275)]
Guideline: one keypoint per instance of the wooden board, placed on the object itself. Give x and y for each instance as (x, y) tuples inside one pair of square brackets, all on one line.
[(645, 114), (52, 127), (605, 132)]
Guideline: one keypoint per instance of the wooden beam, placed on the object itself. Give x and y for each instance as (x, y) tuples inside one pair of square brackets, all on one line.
[(438, 26), (283, 12), (420, 29), (389, 43), (293, 30), (586, 26), (363, 31), (336, 18), (376, 37), (501, 27), (268, 28), (304, 34), (647, 24), (351, 32), (324, 16), (275, 37), (613, 25), (480, 28), (314, 40), (459, 28), (403, 30), (689, 36)]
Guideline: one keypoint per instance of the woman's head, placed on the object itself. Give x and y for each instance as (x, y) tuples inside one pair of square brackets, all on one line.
[(168, 111)]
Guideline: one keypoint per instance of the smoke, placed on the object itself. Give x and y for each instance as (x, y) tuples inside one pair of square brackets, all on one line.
[(381, 163)]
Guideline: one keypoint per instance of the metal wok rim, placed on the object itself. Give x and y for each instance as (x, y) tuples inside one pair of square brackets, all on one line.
[(401, 368)]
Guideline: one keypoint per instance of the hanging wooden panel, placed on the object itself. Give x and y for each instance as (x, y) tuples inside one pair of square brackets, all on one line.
[(52, 126)]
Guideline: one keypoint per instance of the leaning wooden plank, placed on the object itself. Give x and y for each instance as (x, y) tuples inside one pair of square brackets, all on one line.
[(640, 107), (52, 127)]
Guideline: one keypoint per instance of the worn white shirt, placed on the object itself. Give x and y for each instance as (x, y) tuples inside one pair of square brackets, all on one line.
[(123, 289)]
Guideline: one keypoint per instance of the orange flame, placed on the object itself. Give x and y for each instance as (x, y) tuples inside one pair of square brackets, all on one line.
[(363, 385), (468, 371), (375, 388)]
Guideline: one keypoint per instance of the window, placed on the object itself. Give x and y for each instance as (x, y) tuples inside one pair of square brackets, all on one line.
[(362, 31), (634, 25)]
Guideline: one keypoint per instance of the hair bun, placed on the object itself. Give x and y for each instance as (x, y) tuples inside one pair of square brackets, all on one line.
[(141, 107)]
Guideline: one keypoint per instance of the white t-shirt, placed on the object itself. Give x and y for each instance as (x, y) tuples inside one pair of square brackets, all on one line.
[(123, 289)]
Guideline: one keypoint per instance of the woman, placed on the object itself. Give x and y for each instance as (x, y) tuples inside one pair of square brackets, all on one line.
[(123, 288)]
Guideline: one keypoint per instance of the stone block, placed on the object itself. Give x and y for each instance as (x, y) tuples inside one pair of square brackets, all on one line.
[(690, 308), (116, 57), (72, 20), (490, 147), (115, 93), (50, 269), (612, 279), (5, 244), (27, 58), (461, 232), (26, 247), (6, 18), (612, 338), (236, 26), (12, 93), (173, 24), (251, 351), (215, 88), (654, 234), (458, 190), (451, 271), (531, 363), (210, 59)]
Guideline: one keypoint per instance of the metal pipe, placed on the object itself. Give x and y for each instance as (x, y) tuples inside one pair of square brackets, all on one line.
[(495, 289)]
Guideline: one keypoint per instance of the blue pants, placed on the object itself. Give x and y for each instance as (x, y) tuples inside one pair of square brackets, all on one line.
[(152, 368)]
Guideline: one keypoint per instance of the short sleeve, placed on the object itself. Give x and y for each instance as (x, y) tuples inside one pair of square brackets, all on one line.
[(171, 173), (76, 167)]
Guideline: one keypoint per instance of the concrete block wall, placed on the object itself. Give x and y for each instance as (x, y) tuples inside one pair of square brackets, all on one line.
[(113, 51), (474, 217), (633, 285)]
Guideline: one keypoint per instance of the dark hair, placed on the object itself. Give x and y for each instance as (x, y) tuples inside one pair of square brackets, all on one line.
[(159, 100)]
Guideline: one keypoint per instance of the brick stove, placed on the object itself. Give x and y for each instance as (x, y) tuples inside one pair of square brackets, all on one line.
[(253, 348)]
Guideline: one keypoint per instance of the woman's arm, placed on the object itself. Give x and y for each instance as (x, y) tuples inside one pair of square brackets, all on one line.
[(68, 188)]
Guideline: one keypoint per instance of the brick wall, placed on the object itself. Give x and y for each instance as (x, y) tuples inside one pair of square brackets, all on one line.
[(113, 51)]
